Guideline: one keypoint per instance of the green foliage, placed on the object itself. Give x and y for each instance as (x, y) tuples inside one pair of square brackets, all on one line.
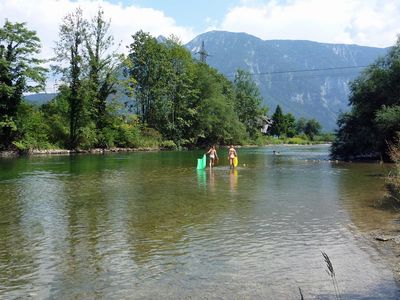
[(373, 120), (103, 67), (146, 68), (187, 102), (178, 101), (89, 70), (301, 125), (279, 123), (20, 72), (248, 102), (127, 135), (283, 124), (168, 145), (56, 117), (324, 138), (388, 120), (312, 128), (70, 55), (290, 125), (32, 129), (295, 140)]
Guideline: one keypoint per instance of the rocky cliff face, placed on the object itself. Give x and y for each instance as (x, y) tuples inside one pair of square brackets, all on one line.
[(306, 78)]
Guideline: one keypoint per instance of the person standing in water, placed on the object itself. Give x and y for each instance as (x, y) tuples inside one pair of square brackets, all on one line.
[(231, 155), (213, 155)]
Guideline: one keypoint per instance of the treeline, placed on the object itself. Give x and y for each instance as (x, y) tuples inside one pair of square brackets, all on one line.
[(286, 125), (168, 98), (371, 126)]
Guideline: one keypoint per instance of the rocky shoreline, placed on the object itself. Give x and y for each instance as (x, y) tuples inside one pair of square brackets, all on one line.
[(387, 242), (11, 154)]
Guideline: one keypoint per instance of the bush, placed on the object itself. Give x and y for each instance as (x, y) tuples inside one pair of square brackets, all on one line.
[(168, 145), (128, 135), (87, 137), (32, 129)]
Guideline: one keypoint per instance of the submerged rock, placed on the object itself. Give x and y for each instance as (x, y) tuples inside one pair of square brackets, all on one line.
[(384, 238)]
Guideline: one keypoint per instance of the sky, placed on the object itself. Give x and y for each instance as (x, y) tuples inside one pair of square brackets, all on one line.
[(373, 23)]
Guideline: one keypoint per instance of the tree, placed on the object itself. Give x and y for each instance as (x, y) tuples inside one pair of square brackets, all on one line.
[(70, 54), (248, 102), (20, 72), (146, 68), (180, 91), (301, 125), (372, 123), (103, 64), (216, 120), (279, 122), (312, 128), (290, 125)]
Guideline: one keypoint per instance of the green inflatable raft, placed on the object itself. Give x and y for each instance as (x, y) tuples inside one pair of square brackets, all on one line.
[(202, 162)]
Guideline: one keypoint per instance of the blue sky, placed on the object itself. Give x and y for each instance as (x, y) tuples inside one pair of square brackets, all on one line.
[(195, 14)]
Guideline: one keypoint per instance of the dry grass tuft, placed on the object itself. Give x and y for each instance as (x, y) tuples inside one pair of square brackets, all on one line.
[(331, 273)]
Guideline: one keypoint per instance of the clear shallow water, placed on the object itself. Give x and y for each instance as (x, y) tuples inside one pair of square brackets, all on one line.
[(149, 226)]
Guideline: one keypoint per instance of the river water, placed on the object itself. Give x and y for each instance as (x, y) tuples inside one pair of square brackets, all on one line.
[(150, 226)]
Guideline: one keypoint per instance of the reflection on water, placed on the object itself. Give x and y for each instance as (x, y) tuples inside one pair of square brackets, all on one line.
[(148, 225), (201, 179)]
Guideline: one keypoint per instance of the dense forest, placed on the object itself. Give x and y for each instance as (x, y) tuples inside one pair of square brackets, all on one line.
[(157, 95)]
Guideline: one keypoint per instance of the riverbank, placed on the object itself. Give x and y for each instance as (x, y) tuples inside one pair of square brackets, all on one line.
[(10, 154), (386, 237), (14, 153), (387, 242)]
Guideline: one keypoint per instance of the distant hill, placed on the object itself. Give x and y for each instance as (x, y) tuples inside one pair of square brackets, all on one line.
[(319, 94), (40, 98)]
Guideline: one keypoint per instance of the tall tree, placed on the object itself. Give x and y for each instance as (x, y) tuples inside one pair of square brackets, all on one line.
[(248, 102), (70, 54), (373, 122), (20, 72), (312, 128), (290, 125), (146, 68), (279, 122), (216, 120), (103, 63), (180, 90), (301, 125)]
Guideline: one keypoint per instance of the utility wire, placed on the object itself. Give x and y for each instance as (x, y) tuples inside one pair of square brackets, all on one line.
[(303, 70)]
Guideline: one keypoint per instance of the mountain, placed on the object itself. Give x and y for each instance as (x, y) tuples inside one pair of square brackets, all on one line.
[(282, 70), (39, 98)]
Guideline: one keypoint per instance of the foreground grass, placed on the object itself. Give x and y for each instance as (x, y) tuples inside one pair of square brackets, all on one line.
[(393, 179)]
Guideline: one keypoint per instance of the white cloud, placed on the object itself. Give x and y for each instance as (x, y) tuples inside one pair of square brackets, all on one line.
[(45, 16), (363, 22)]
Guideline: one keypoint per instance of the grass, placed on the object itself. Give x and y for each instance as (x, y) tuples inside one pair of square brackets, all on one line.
[(296, 140), (331, 273), (393, 178)]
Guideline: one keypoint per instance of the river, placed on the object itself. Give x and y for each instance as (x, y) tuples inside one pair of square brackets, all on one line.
[(150, 226)]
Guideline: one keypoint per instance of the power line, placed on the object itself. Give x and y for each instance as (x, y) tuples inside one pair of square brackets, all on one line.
[(304, 70), (308, 76)]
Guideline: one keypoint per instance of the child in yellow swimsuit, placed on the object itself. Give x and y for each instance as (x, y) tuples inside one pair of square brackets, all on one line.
[(231, 155)]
